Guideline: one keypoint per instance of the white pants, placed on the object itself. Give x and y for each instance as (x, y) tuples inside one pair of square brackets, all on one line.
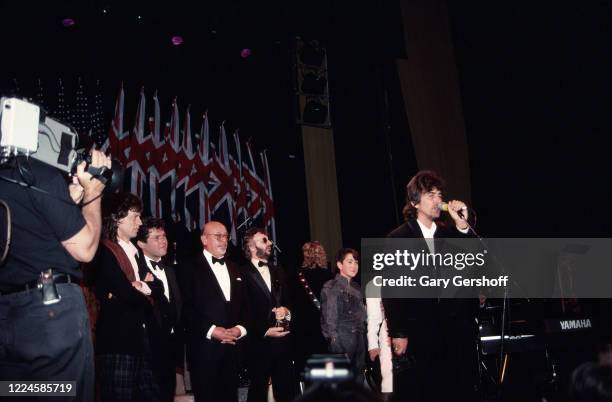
[(386, 356)]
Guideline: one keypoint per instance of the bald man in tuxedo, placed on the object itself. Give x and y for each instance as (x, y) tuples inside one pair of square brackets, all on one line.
[(216, 316)]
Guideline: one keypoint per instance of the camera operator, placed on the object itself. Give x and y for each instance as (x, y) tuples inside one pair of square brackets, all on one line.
[(44, 326)]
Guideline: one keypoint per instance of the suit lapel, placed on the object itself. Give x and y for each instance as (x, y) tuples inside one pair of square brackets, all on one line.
[(277, 290), (415, 228), (259, 281), (208, 271), (143, 268), (235, 279), (174, 291)]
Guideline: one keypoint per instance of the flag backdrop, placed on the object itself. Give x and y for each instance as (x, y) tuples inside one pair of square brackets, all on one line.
[(192, 182)]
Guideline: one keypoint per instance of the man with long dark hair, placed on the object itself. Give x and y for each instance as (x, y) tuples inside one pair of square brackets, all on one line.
[(435, 333), (122, 348)]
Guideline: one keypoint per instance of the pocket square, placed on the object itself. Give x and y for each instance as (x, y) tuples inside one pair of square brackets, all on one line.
[(239, 278)]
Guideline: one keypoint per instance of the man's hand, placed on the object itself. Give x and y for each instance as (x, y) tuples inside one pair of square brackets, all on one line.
[(137, 285), (234, 331), (222, 335), (482, 298), (76, 190), (454, 207), (276, 332), (374, 353), (399, 345), (148, 277), (83, 245), (280, 312), (92, 188)]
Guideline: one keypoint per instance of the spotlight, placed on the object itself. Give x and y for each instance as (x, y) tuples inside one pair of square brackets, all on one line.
[(177, 40), (244, 53), (68, 22)]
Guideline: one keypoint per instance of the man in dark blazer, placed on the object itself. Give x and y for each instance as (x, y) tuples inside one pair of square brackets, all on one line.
[(123, 368), (268, 351), (216, 315), (435, 333), (163, 328)]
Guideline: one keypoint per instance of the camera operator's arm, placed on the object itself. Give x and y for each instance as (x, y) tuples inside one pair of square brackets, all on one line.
[(83, 245)]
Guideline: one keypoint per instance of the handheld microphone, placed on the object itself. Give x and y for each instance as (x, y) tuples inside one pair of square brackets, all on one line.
[(443, 206)]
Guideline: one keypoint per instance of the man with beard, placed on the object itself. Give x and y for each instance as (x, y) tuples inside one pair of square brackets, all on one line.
[(268, 352), (215, 313), (436, 333)]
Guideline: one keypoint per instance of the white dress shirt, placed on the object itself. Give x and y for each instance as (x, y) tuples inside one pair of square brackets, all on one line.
[(428, 234), (131, 251), (264, 272), (159, 274), (224, 280), (222, 275)]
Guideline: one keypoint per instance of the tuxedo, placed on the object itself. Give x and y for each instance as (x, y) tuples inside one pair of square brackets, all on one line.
[(121, 323), (267, 357), (123, 367), (163, 325), (440, 335), (213, 365)]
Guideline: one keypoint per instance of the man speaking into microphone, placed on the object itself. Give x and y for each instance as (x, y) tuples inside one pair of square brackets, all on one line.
[(429, 336)]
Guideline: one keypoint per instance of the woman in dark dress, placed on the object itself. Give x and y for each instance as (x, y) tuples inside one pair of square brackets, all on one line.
[(306, 314)]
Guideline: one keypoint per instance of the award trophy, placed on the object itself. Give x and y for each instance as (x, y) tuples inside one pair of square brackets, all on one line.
[(280, 322)]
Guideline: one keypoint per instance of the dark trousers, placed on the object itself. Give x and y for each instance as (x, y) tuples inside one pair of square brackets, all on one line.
[(352, 344), (263, 366), (126, 378), (215, 380), (163, 356), (445, 366), (47, 343)]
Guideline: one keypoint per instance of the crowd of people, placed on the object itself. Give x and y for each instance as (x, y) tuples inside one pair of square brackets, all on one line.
[(146, 314)]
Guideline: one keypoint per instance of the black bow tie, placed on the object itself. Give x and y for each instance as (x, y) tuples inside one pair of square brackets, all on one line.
[(262, 264), (157, 265), (219, 260)]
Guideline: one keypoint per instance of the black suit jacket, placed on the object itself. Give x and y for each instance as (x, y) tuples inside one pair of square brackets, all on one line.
[(422, 317), (166, 313), (120, 327), (205, 305), (261, 303)]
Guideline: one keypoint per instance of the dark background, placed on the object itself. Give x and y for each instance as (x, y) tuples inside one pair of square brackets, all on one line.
[(534, 80)]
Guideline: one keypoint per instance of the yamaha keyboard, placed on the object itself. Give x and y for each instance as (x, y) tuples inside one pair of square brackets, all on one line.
[(550, 333)]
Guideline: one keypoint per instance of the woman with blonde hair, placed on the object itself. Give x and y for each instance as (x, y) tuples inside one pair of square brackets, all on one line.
[(306, 315)]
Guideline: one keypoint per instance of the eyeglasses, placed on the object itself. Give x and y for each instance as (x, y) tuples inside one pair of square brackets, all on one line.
[(218, 236)]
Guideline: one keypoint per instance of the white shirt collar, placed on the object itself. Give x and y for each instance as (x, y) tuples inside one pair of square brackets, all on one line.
[(150, 260), (428, 233), (127, 245), (208, 255), (255, 262)]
